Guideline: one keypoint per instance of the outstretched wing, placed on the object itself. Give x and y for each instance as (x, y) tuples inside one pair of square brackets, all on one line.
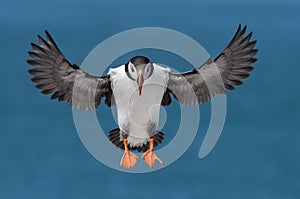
[(226, 71), (53, 73)]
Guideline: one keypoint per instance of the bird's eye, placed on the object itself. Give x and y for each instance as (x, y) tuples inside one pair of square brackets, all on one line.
[(132, 69)]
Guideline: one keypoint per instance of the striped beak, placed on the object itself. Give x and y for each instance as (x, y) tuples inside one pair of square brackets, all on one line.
[(140, 81)]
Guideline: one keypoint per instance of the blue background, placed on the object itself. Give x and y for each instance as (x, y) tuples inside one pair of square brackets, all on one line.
[(257, 156)]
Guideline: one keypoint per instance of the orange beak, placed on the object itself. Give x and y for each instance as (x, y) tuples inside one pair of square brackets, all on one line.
[(140, 81)]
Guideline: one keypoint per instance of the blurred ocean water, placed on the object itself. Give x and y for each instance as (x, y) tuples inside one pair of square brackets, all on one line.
[(257, 156)]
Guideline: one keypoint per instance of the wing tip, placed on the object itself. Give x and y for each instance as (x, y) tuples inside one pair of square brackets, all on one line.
[(33, 44), (30, 62), (49, 37), (30, 53), (241, 29), (253, 59), (244, 29), (29, 71), (240, 26), (39, 36), (46, 32), (240, 41), (51, 40)]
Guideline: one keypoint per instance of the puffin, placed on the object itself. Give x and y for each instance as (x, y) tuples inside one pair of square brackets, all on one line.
[(138, 88)]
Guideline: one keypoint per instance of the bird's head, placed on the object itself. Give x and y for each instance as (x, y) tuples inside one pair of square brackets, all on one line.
[(139, 69)]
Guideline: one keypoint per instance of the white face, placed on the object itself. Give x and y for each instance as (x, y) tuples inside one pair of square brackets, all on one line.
[(132, 71), (139, 73), (148, 71)]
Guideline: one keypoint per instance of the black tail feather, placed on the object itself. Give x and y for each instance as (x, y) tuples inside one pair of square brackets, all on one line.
[(114, 137)]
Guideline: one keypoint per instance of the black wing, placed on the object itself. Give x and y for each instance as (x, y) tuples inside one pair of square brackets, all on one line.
[(226, 71), (53, 73)]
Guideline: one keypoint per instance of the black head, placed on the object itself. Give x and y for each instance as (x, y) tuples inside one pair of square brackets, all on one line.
[(139, 68), (139, 60)]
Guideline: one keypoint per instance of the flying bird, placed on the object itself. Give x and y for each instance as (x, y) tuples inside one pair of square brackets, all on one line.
[(138, 88)]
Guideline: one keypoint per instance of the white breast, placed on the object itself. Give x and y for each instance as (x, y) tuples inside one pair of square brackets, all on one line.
[(138, 115)]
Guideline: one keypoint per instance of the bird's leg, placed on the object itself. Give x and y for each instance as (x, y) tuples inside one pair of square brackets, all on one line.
[(129, 159), (149, 156)]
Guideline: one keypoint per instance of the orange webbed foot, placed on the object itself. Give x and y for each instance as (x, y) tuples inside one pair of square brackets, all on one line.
[(128, 160), (149, 157)]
